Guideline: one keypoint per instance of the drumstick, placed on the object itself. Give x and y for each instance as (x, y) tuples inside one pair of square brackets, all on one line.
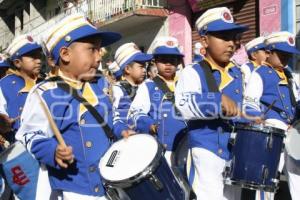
[(53, 126)]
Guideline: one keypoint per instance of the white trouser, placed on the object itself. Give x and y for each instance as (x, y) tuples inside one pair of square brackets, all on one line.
[(208, 182)]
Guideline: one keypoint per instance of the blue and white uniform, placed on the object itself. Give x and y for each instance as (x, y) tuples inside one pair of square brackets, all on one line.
[(208, 133), (269, 85), (79, 129), (153, 106), (124, 91)]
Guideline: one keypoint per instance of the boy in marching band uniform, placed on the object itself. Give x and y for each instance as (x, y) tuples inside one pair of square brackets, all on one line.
[(257, 54), (272, 84), (25, 55), (209, 94), (74, 45), (153, 110), (130, 70)]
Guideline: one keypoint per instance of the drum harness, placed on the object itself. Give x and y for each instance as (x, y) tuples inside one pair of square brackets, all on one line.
[(283, 112), (67, 88), (130, 89)]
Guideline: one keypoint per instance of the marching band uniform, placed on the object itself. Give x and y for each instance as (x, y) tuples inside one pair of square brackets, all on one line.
[(123, 91), (200, 106), (153, 106), (269, 85), (79, 129), (14, 87)]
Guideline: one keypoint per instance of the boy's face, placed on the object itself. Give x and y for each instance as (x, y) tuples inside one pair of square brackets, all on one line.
[(167, 65), (152, 72), (260, 56), (279, 59), (30, 63), (220, 46), (137, 72), (83, 58)]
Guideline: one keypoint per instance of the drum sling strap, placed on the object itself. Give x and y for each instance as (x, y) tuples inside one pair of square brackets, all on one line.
[(211, 82), (67, 88), (290, 88), (130, 90)]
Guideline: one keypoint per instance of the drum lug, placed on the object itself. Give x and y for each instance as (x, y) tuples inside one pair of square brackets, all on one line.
[(112, 194), (156, 182), (270, 142), (265, 173)]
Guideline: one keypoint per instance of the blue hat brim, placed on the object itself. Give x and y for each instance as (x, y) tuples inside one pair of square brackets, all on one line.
[(138, 57), (27, 48), (256, 48), (283, 46), (83, 32), (163, 50), (220, 25)]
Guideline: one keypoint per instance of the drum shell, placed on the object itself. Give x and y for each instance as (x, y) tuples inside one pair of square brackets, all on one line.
[(256, 154), (145, 189)]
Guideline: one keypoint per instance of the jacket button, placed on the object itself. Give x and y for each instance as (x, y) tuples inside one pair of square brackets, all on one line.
[(165, 115), (92, 169), (13, 82), (286, 107), (237, 91), (283, 96), (220, 151), (270, 72), (82, 121), (21, 108), (88, 144), (96, 189)]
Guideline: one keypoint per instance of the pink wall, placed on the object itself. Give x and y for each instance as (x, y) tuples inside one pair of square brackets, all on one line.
[(180, 28), (270, 16)]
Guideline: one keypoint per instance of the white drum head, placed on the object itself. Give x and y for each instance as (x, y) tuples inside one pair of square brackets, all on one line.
[(128, 157), (292, 143)]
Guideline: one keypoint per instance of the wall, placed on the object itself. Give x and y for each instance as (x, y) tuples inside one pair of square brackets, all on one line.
[(269, 16), (179, 26)]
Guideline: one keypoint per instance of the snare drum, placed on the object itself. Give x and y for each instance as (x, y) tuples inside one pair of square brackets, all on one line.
[(137, 165), (256, 154), (292, 142)]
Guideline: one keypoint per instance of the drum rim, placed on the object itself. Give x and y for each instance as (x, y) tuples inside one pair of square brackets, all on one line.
[(125, 183), (252, 185), (260, 128)]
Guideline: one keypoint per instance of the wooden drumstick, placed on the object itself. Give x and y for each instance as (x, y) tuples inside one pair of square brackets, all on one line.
[(53, 126)]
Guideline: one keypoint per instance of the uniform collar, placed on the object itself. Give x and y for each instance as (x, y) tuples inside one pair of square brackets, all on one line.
[(254, 64), (29, 83), (280, 73), (170, 83), (72, 82), (226, 78)]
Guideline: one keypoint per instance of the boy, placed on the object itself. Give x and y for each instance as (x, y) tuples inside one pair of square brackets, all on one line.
[(152, 110), (25, 55), (74, 45), (272, 84), (257, 56), (207, 95), (131, 70)]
